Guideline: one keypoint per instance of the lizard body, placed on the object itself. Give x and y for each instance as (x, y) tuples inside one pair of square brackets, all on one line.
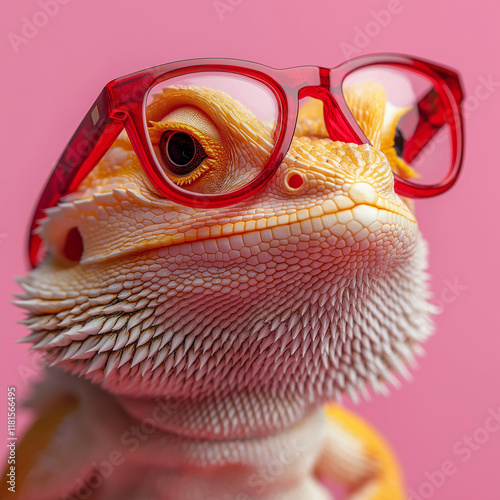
[(241, 320)]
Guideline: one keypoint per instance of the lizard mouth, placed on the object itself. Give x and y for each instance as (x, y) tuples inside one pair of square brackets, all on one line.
[(356, 221)]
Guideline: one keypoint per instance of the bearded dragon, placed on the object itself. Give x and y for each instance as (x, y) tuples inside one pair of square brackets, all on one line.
[(196, 352)]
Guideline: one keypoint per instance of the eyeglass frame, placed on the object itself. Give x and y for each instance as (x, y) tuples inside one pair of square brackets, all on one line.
[(122, 105)]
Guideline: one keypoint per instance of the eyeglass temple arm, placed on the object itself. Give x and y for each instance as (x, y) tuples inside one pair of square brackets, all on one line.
[(95, 134), (431, 115)]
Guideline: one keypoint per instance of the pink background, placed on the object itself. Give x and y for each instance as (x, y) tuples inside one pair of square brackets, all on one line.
[(49, 83)]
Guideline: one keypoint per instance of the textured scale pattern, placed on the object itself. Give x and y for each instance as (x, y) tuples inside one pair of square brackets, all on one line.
[(244, 319)]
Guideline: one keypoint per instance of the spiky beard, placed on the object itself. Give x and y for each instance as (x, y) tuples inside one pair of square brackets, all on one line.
[(314, 330)]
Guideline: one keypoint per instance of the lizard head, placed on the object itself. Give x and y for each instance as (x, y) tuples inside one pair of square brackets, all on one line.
[(315, 285)]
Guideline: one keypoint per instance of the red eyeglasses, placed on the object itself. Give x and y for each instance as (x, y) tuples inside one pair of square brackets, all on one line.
[(424, 97)]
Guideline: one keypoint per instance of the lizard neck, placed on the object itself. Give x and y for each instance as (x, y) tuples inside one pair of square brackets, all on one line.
[(236, 416), (260, 463)]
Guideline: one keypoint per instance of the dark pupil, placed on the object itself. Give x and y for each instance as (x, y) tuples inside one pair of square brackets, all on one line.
[(181, 148), (180, 153), (399, 142)]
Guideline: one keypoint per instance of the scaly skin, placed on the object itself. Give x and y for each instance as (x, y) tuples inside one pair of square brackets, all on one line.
[(244, 320)]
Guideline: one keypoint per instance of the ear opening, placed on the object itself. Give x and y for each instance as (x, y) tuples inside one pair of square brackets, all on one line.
[(73, 245)]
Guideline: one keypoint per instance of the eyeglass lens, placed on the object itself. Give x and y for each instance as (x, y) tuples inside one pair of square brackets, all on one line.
[(418, 145), (211, 132)]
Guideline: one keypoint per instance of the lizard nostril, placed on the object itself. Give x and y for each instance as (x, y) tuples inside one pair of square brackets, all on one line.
[(73, 246), (294, 180)]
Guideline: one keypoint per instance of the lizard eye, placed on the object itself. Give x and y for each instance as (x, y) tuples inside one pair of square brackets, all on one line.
[(180, 152)]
